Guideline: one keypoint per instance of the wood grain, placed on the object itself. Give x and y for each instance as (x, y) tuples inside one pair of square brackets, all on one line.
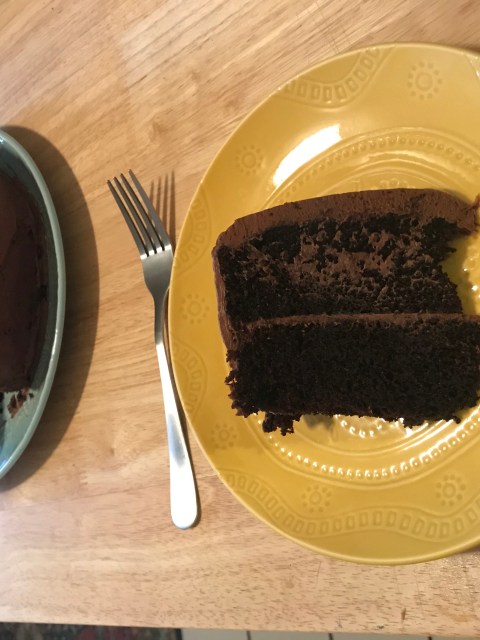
[(94, 88)]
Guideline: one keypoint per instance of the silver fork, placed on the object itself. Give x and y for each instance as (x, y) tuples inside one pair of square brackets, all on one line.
[(156, 254)]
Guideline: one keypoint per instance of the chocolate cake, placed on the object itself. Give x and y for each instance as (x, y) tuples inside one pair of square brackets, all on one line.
[(344, 279), (23, 286)]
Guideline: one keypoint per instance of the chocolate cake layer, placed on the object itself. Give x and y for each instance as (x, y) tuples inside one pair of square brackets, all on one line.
[(368, 252), (415, 367)]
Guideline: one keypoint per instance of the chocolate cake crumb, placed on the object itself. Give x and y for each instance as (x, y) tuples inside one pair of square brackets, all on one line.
[(17, 401)]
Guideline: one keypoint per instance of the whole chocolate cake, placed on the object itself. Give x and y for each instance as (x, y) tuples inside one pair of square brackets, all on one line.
[(342, 280), (23, 286)]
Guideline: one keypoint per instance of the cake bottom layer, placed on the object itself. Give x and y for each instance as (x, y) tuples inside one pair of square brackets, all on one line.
[(415, 367)]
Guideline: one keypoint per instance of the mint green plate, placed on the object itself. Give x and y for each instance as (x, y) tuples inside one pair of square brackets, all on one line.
[(15, 433)]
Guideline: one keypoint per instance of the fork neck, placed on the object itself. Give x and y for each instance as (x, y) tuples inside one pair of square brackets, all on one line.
[(159, 320)]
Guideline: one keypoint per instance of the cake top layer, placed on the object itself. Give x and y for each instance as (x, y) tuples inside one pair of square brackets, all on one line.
[(425, 204), (23, 281), (363, 252)]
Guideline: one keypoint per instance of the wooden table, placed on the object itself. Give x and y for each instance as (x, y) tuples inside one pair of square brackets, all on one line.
[(91, 89)]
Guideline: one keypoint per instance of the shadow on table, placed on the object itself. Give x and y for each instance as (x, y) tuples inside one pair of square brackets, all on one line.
[(475, 550), (81, 309)]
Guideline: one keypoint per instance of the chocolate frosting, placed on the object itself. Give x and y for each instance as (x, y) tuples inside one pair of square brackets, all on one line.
[(385, 319), (23, 282), (425, 204)]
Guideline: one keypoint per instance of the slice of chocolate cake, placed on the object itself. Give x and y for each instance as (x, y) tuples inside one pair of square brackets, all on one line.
[(23, 283), (366, 253)]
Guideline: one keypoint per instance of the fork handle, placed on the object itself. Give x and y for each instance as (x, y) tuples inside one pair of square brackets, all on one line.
[(183, 492)]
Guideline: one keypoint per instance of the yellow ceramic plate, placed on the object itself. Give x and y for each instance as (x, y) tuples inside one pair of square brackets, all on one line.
[(356, 488)]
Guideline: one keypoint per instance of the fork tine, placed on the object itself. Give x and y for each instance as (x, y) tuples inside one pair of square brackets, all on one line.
[(168, 213), (133, 229), (159, 193), (134, 214), (153, 214), (164, 215), (152, 233)]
